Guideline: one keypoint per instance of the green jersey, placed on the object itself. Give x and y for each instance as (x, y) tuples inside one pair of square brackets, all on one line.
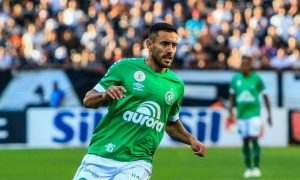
[(246, 90), (134, 126)]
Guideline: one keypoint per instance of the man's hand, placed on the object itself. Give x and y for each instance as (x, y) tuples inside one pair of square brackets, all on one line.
[(198, 148), (230, 120), (231, 117), (270, 121), (114, 92)]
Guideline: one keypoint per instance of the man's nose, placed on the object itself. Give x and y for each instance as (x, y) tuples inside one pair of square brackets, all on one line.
[(171, 49)]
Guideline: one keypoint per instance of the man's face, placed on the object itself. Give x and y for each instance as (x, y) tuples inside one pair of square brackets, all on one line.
[(246, 65), (164, 48)]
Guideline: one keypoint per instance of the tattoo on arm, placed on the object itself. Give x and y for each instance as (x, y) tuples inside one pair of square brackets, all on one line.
[(176, 131)]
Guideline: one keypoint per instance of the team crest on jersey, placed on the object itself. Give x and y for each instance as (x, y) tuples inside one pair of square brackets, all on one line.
[(139, 76), (110, 147), (170, 97)]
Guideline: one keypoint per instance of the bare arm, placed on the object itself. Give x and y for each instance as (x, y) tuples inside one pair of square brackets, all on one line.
[(267, 102), (94, 99), (231, 106), (176, 131)]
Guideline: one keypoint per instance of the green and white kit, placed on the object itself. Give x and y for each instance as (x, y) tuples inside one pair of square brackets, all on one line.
[(247, 90), (134, 126)]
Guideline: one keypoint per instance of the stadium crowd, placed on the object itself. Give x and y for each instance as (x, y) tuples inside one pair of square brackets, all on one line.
[(94, 34)]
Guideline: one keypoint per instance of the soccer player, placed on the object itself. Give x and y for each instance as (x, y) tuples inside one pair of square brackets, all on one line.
[(144, 99), (245, 89)]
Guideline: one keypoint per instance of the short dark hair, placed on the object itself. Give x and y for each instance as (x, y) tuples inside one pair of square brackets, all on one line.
[(247, 58), (161, 26)]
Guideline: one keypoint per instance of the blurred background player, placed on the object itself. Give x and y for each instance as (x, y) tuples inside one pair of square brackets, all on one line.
[(245, 89)]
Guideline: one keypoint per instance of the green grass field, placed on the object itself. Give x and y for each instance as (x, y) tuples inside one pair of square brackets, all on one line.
[(169, 164)]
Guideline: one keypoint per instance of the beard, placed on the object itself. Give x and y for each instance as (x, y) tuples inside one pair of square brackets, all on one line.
[(159, 61)]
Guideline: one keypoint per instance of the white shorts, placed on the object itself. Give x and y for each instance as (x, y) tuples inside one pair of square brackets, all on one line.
[(251, 127), (94, 167)]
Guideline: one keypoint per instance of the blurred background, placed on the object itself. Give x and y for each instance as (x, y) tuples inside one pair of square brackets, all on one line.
[(53, 51)]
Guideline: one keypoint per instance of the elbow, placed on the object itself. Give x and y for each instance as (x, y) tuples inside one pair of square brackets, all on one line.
[(169, 130), (87, 103)]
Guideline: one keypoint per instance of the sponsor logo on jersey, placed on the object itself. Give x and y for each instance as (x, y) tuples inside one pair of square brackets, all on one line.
[(92, 172), (170, 97), (147, 114), (245, 96), (135, 176), (139, 76), (138, 86)]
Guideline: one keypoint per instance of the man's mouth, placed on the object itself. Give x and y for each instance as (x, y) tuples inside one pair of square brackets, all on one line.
[(169, 58)]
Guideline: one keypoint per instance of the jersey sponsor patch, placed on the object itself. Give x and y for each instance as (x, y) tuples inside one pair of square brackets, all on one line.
[(147, 114), (138, 86), (245, 96)]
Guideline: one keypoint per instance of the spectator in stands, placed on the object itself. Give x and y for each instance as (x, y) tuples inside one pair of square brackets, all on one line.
[(235, 41), (71, 14), (136, 50), (292, 45), (273, 33), (57, 96), (158, 11), (195, 25), (234, 60), (282, 22), (268, 49), (206, 39), (89, 36), (294, 30), (222, 14), (294, 7), (294, 59), (280, 61), (184, 47), (6, 60), (179, 17), (251, 49), (199, 57), (259, 23), (28, 27), (238, 21)]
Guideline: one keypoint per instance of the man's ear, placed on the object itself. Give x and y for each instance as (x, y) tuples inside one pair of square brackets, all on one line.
[(149, 44)]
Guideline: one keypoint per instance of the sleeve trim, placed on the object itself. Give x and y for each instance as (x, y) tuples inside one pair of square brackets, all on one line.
[(173, 118), (99, 88), (264, 92)]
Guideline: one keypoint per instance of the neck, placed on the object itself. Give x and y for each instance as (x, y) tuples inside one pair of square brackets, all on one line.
[(247, 73), (150, 62)]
